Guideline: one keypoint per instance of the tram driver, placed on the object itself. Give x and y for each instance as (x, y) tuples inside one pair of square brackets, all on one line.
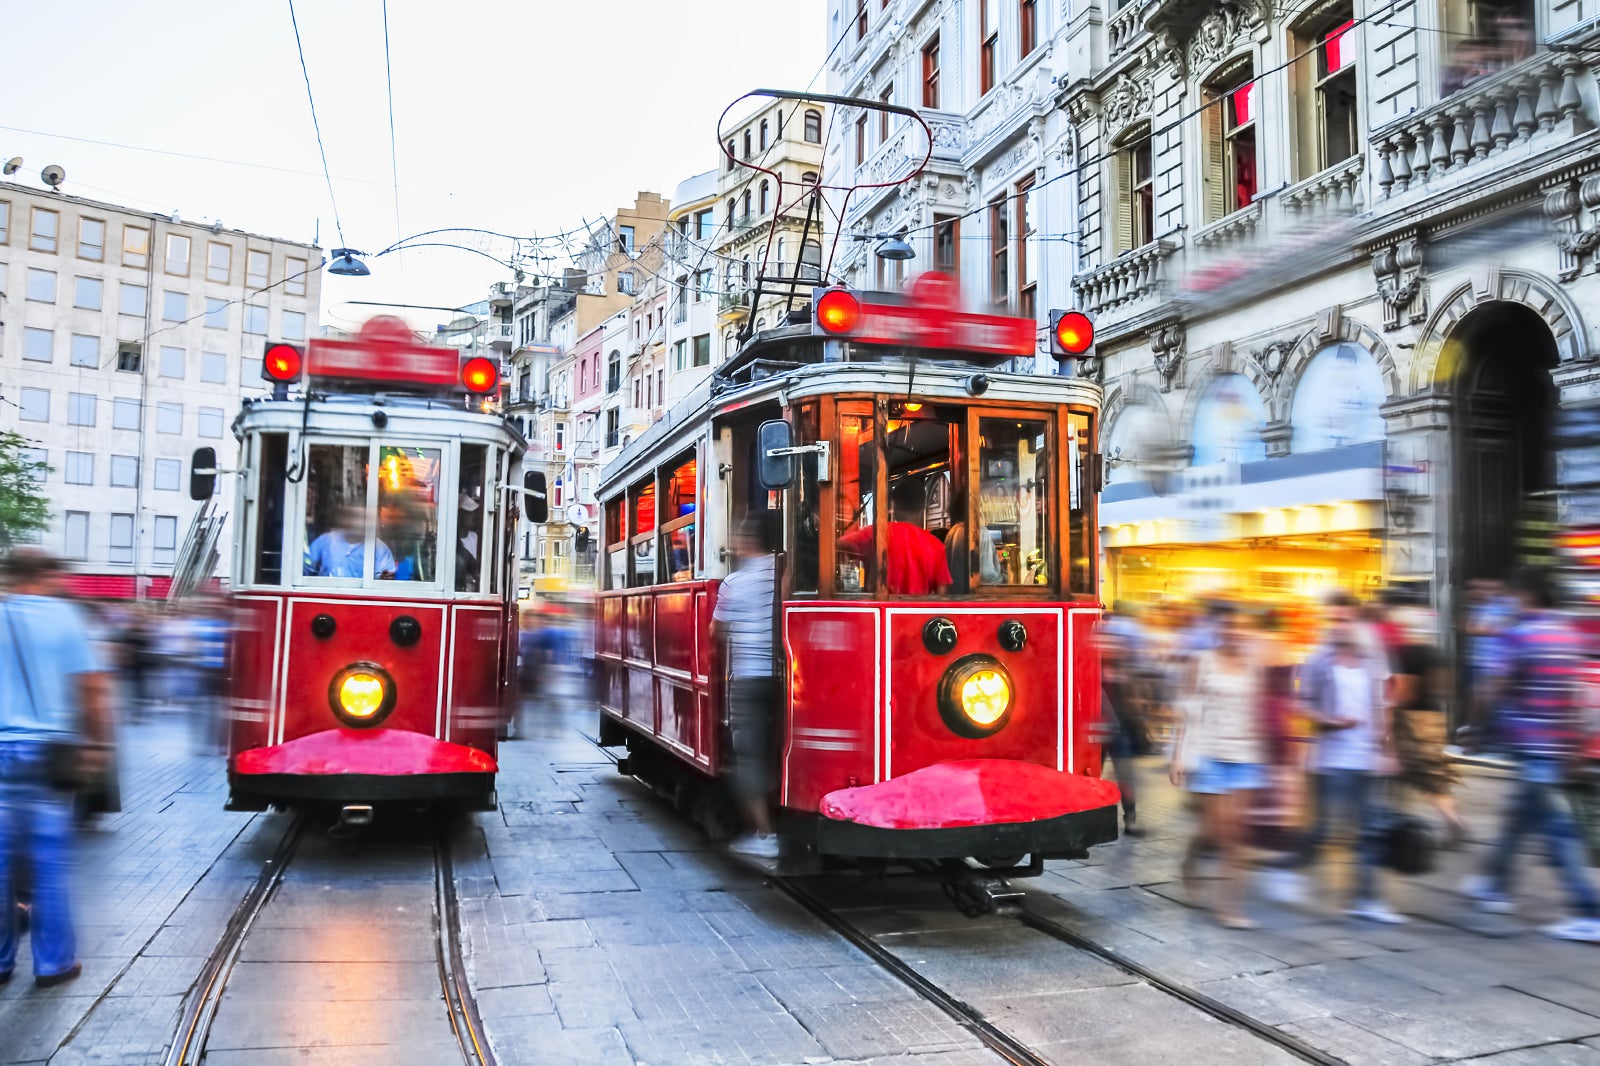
[(342, 550), (917, 563)]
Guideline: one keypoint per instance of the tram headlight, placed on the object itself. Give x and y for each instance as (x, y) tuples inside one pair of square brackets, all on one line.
[(362, 694), (975, 696)]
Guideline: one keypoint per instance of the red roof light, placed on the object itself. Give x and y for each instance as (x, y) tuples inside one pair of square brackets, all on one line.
[(281, 363), (1075, 333), (479, 374), (838, 311)]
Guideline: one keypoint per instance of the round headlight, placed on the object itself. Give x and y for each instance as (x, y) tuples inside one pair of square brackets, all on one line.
[(362, 694), (975, 696)]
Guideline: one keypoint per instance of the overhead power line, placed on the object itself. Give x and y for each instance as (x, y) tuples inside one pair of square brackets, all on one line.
[(315, 125)]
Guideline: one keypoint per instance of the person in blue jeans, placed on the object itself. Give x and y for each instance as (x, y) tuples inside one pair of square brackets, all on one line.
[(54, 691), (1540, 724)]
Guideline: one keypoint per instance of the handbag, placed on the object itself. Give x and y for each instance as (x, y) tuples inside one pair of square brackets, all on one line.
[(63, 765), (1409, 844)]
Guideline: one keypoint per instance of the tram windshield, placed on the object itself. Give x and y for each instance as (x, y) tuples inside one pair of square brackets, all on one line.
[(355, 530)]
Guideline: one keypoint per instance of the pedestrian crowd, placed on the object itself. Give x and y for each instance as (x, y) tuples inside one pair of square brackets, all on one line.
[(70, 671), (1293, 735)]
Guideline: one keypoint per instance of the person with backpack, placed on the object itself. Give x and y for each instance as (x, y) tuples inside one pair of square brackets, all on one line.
[(1541, 724)]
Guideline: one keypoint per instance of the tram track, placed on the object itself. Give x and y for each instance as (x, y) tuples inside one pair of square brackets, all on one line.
[(200, 1006)]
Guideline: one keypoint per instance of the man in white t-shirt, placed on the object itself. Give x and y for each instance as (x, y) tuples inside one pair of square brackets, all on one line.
[(1343, 685)]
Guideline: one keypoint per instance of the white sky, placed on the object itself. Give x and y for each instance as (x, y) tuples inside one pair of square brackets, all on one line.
[(519, 117)]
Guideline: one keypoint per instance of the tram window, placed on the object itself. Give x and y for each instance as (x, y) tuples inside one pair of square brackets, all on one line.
[(642, 502), (1078, 551), (805, 563), (272, 489), (616, 545), (469, 518), (679, 486), (338, 526), (409, 483), (1013, 545), (858, 463)]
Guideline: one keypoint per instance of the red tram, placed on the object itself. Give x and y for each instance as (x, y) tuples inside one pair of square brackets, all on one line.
[(925, 729), (374, 642)]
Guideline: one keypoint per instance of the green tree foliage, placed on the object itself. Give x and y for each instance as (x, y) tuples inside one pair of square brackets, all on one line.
[(24, 508)]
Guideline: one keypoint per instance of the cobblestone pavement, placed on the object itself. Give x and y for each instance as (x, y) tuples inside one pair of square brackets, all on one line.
[(601, 929)]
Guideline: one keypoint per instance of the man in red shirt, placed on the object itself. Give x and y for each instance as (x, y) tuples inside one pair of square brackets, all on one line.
[(917, 563)]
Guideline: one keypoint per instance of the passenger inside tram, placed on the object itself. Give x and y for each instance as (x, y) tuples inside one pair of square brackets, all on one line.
[(408, 510), (916, 558), (342, 550)]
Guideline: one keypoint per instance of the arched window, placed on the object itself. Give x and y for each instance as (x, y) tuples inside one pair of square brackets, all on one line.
[(747, 152), (780, 256), (731, 209), (1228, 421), (747, 270), (809, 177), (811, 260), (763, 135), (732, 148), (814, 127), (747, 204), (1336, 400), (766, 191), (730, 278), (556, 499)]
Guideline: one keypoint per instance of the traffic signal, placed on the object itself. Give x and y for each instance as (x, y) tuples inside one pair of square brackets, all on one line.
[(1071, 335), (281, 363), (837, 313)]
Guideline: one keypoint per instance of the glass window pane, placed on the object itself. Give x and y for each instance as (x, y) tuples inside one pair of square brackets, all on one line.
[(214, 367), (34, 405), (38, 345), (255, 319), (91, 239), (169, 418), (125, 414), (294, 277), (5, 222), (88, 293), (174, 306), (216, 313), (256, 266), (469, 518), (210, 422), (165, 546), (80, 468), (294, 326), (858, 459), (338, 526), (42, 286), (85, 350), (219, 261), (135, 246), (409, 480), (1013, 503), (169, 474), (46, 227), (122, 538), (76, 535), (172, 362), (80, 408), (124, 471), (133, 299), (177, 254)]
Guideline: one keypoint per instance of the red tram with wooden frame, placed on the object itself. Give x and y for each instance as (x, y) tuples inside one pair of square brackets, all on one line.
[(888, 750), (374, 635)]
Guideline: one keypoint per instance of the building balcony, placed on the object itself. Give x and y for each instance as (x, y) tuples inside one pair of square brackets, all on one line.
[(733, 306), (1127, 279), (1336, 191), (1506, 117)]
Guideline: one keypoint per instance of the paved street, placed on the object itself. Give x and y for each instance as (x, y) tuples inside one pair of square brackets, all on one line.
[(598, 928)]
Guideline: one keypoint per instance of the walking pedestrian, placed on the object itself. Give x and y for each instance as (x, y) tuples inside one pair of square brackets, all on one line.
[(1220, 754), (1343, 684), (54, 728), (1417, 686), (1123, 702), (1542, 726), (742, 620)]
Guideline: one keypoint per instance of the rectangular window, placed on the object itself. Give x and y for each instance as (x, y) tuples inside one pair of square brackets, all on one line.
[(1027, 27), (861, 20), (216, 313), (219, 262), (124, 471), (214, 368), (42, 285), (46, 228), (130, 357), (1027, 269), (36, 463), (861, 140), (294, 325), (38, 345), (177, 254), (5, 222), (91, 239), (1229, 123), (999, 254), (125, 414), (1135, 197), (256, 268), (132, 299), (75, 540), (211, 422), (172, 363), (886, 97), (1335, 119), (135, 246), (34, 405), (988, 43), (85, 350), (164, 549), (702, 350), (1013, 516), (947, 245), (80, 408), (169, 474), (255, 319), (169, 418), (174, 306), (88, 293), (80, 468), (704, 224), (561, 436), (294, 277), (121, 538), (680, 354), (930, 73)]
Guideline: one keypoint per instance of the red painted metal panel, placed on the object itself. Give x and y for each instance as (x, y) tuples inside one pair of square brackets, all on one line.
[(608, 624), (391, 752), (831, 735), (638, 629), (642, 699), (917, 734), (1085, 666), (969, 792), (675, 629), (472, 715), (253, 654)]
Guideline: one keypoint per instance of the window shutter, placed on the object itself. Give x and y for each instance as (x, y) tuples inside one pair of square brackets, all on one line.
[(1121, 207), (1213, 175)]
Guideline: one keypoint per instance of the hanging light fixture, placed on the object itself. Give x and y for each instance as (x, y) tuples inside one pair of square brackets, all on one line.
[(346, 265), (896, 248)]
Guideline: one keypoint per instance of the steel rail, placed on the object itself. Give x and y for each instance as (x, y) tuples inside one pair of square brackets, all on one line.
[(200, 1005), (1199, 1000), (460, 1001)]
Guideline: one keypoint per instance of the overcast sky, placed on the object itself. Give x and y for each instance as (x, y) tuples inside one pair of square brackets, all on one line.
[(517, 117)]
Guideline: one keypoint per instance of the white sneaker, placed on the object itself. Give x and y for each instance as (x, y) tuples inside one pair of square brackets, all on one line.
[(1283, 886), (1375, 911), (756, 847), (1584, 929)]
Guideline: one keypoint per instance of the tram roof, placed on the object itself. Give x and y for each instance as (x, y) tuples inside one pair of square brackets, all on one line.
[(351, 415), (766, 373)]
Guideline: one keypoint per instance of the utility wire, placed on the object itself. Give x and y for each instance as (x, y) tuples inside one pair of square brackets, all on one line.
[(315, 125), (394, 155)]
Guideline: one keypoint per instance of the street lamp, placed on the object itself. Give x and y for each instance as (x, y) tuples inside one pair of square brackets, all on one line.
[(346, 265)]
